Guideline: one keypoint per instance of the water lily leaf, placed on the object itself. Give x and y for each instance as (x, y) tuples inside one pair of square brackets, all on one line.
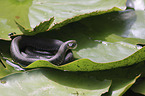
[(53, 83), (30, 13), (64, 9), (123, 79), (56, 82), (139, 87), (137, 30), (88, 65), (99, 46), (42, 27), (8, 21), (139, 5), (121, 85), (22, 28), (12, 10), (7, 67), (98, 51)]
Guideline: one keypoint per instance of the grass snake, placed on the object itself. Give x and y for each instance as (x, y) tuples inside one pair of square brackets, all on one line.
[(27, 49)]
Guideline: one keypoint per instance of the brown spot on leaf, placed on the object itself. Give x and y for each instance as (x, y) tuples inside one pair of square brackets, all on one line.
[(17, 17)]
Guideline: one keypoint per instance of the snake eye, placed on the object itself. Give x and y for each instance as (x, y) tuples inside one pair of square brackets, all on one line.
[(10, 34), (72, 45)]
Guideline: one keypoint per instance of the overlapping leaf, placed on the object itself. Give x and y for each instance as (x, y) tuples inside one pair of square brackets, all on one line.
[(30, 13), (98, 51), (139, 87), (84, 12), (100, 43), (100, 40), (46, 82), (63, 83), (137, 31)]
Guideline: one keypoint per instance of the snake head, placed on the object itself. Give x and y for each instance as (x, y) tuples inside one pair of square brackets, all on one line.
[(11, 34), (72, 44)]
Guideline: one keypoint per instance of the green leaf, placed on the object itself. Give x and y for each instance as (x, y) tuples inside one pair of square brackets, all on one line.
[(64, 9), (139, 87), (11, 11), (123, 78), (42, 27), (7, 67), (102, 36), (26, 6), (100, 45), (121, 85), (44, 82), (137, 30), (22, 28), (30, 13), (53, 82)]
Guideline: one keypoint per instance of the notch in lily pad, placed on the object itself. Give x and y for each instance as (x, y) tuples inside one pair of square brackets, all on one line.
[(42, 27)]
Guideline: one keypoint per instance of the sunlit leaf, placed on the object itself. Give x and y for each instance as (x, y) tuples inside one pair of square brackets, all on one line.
[(46, 82), (101, 45), (30, 13)]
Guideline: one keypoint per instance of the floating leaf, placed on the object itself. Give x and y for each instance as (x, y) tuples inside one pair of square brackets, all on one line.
[(11, 11), (139, 87), (104, 35), (42, 27), (30, 13), (7, 67), (100, 47), (56, 82), (53, 82), (22, 28), (123, 78)]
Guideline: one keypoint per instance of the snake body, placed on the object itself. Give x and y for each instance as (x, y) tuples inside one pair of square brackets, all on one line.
[(27, 49)]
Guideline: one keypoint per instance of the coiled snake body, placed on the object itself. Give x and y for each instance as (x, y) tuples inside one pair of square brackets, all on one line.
[(27, 49)]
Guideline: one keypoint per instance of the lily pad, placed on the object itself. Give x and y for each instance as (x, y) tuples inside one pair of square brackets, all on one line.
[(138, 32), (99, 46), (12, 10), (99, 43), (7, 67), (44, 82), (42, 27), (62, 10), (30, 13), (108, 38), (139, 87), (123, 79), (53, 82)]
